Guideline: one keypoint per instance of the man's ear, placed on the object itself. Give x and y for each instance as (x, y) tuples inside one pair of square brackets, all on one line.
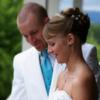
[(70, 39)]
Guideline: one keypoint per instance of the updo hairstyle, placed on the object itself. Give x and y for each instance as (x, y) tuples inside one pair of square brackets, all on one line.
[(71, 20)]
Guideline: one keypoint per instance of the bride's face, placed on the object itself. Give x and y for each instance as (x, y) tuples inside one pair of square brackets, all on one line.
[(59, 47)]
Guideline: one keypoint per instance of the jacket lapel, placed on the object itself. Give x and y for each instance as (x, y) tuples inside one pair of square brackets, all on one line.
[(35, 84), (38, 75)]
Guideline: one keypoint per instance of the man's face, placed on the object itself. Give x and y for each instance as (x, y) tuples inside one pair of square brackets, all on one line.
[(32, 31)]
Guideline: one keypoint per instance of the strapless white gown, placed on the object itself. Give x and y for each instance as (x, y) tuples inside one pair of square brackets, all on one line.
[(60, 95)]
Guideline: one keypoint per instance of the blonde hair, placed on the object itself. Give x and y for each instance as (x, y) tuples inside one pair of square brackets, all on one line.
[(69, 20)]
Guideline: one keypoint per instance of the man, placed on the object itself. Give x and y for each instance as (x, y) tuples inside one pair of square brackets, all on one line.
[(29, 82)]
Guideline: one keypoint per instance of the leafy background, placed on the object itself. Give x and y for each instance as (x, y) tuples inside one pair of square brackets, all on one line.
[(94, 37), (10, 42)]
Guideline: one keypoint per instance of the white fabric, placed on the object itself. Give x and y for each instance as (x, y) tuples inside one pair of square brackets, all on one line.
[(28, 82), (60, 95)]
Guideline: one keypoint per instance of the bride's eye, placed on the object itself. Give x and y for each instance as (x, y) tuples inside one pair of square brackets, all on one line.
[(51, 44)]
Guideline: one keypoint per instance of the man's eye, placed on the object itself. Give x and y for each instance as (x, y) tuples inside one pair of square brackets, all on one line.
[(33, 32)]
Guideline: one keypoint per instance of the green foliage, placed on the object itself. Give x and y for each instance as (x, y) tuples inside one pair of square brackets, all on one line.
[(93, 37), (10, 43)]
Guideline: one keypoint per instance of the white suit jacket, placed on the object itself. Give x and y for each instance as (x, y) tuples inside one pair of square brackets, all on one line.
[(28, 83)]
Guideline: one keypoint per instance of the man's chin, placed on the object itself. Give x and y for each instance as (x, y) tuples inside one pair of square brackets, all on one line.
[(40, 49)]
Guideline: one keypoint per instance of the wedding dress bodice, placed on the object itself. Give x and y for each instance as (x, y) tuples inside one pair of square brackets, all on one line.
[(60, 95)]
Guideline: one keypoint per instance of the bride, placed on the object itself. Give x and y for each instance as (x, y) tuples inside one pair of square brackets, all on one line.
[(65, 33)]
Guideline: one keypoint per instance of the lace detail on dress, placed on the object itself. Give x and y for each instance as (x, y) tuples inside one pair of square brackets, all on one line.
[(60, 95)]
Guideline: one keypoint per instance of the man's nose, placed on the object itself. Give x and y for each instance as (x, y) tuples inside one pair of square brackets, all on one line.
[(31, 39)]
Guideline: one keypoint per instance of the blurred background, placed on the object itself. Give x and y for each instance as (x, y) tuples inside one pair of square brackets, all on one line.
[(11, 41)]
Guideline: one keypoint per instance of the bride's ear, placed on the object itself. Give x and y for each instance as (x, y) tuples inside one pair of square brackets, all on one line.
[(46, 20), (70, 39)]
